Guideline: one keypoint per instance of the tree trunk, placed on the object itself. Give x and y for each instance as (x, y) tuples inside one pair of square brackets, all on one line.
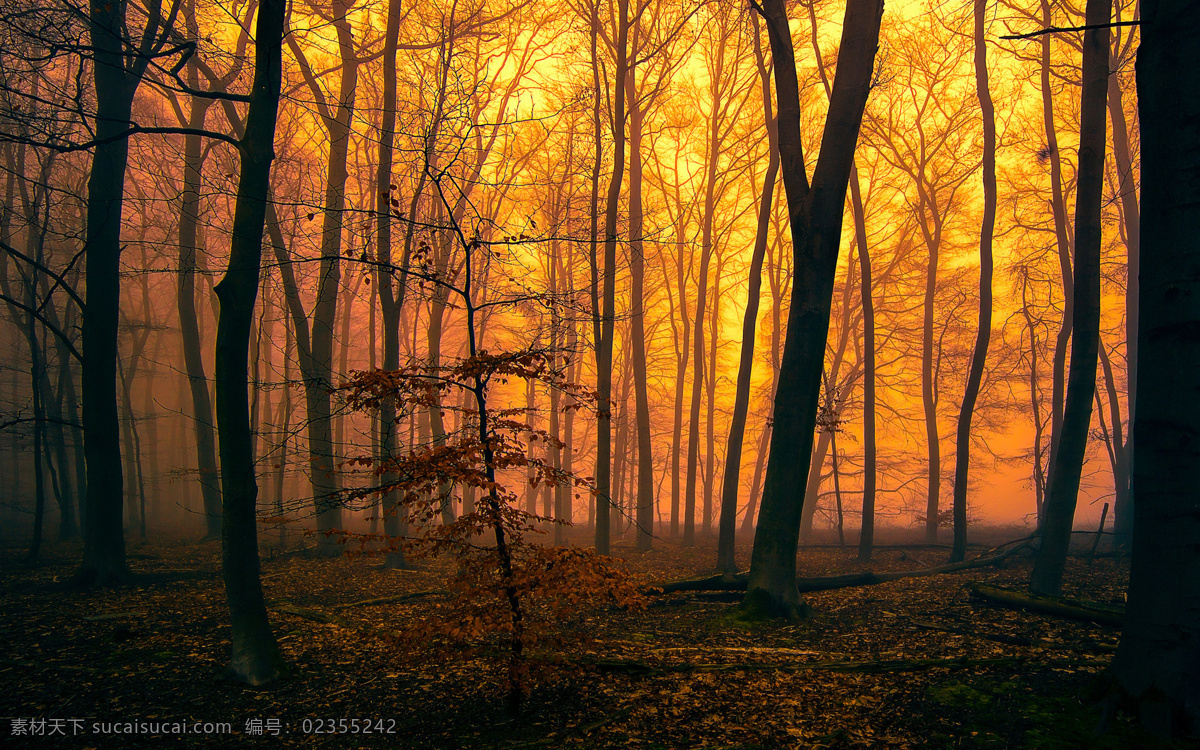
[(104, 535), (1067, 460), (1131, 218), (644, 502), (255, 655), (730, 483), (1059, 211), (391, 299), (604, 346), (962, 455), (1156, 663), (867, 534), (816, 220), (706, 251), (318, 377), (189, 329), (1039, 476)]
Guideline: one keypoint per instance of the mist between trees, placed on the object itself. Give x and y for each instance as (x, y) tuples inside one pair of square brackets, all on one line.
[(651, 195), (499, 105)]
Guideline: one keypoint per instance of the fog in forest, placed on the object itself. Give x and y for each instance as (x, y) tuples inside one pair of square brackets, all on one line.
[(565, 306)]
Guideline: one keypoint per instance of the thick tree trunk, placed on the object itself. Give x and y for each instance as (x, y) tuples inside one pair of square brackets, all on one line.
[(255, 656), (1067, 460), (1157, 666), (816, 220), (730, 483), (962, 455), (104, 535)]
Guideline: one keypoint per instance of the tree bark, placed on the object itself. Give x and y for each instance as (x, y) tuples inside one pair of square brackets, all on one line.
[(391, 296), (1067, 459), (730, 483), (644, 501), (1156, 663), (1065, 251), (962, 455), (189, 329), (816, 220), (1131, 221), (318, 377), (104, 535), (255, 655), (699, 360), (604, 347)]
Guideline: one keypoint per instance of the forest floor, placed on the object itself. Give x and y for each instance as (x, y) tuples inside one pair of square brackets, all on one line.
[(912, 663)]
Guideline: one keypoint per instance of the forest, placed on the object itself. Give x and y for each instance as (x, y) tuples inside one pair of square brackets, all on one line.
[(600, 373)]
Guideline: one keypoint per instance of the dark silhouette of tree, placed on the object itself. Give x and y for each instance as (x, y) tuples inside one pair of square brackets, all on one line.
[(1066, 457), (962, 454), (255, 654), (816, 220), (1156, 663)]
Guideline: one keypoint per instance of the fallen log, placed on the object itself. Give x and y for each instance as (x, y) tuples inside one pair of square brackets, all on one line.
[(825, 583), (1059, 607)]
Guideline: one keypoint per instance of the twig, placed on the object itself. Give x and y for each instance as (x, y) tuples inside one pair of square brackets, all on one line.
[(1064, 29)]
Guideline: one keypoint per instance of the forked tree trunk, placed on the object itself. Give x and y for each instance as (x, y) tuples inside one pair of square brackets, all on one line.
[(816, 222), (1156, 663), (962, 456), (1067, 460), (255, 655)]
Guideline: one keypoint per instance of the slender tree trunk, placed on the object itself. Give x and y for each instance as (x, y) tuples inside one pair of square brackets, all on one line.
[(1131, 217), (962, 455), (1119, 451), (318, 376), (255, 655), (1067, 461), (706, 252), (193, 361), (1059, 211), (1039, 476), (644, 502), (816, 220), (1156, 663), (604, 351), (681, 371), (730, 483), (866, 293), (391, 298)]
